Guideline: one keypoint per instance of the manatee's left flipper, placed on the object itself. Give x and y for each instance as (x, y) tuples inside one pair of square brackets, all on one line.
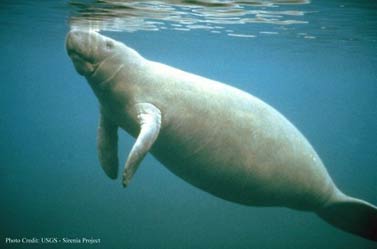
[(107, 146), (149, 119)]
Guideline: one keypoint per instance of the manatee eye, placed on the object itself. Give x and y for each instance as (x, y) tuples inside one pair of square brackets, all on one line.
[(109, 44)]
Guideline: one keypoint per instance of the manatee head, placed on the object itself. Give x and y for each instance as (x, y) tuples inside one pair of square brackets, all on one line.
[(88, 49), (95, 56)]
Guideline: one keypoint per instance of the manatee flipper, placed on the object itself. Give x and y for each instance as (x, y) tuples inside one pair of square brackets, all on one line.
[(351, 215), (149, 119), (107, 146)]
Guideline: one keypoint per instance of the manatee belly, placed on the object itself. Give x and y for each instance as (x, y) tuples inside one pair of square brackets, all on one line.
[(251, 155)]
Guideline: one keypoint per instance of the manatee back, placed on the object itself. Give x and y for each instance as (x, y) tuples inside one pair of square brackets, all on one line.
[(232, 144)]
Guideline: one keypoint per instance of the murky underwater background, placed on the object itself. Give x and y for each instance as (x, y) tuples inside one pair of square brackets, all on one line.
[(316, 62)]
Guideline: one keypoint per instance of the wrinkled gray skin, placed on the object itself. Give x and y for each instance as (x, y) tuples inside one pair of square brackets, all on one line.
[(216, 137)]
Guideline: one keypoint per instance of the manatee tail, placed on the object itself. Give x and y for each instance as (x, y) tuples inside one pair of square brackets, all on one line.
[(351, 215)]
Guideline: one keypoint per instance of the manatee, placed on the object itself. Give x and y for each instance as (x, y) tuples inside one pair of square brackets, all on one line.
[(216, 137)]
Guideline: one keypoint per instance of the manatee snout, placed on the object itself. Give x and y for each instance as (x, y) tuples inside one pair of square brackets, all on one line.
[(80, 46), (78, 42)]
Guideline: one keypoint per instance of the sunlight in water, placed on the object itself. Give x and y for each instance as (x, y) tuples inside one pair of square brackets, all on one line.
[(212, 16)]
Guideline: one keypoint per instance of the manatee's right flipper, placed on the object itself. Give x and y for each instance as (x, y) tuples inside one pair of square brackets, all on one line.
[(107, 146), (149, 119), (351, 215)]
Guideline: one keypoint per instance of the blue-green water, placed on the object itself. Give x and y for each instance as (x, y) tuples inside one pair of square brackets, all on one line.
[(319, 69)]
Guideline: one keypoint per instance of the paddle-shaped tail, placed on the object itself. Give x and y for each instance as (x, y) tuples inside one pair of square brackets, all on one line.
[(351, 215)]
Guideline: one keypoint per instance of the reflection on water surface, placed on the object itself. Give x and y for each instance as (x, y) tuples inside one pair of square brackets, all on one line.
[(213, 16)]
